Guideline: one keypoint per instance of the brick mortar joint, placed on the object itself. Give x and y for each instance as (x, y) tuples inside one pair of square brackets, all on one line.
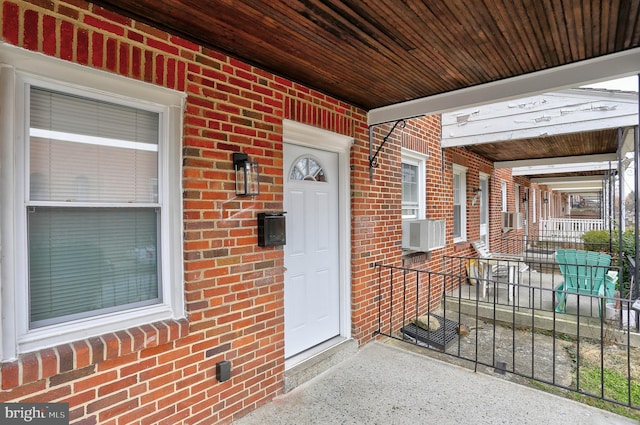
[(151, 339), (79, 24)]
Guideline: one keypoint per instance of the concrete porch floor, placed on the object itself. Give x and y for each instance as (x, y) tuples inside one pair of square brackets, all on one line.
[(390, 382)]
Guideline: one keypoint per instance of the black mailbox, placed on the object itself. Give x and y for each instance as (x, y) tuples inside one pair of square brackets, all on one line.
[(271, 229)]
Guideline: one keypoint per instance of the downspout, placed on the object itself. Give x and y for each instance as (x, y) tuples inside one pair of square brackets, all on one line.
[(636, 152), (610, 205), (620, 196), (370, 153)]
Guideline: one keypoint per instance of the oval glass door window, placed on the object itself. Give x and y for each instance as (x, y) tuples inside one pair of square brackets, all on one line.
[(307, 168)]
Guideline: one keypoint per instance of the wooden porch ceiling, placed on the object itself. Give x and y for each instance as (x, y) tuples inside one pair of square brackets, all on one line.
[(382, 52), (565, 145), (576, 144), (378, 53)]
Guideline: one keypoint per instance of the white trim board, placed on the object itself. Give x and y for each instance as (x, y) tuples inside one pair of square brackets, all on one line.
[(576, 74)]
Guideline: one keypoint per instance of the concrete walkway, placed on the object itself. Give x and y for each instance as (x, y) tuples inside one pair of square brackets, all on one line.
[(384, 384)]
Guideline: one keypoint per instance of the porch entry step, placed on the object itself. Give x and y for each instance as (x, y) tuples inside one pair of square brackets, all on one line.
[(311, 363), (439, 339)]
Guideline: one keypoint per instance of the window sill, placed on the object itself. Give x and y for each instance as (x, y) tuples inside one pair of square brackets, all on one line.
[(69, 361)]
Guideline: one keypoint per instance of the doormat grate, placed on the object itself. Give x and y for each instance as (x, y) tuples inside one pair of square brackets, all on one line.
[(439, 339)]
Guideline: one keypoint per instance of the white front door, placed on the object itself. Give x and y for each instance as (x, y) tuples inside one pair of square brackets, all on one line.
[(484, 209), (311, 254)]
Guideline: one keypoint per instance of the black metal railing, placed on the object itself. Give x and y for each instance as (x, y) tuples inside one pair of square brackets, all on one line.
[(591, 354)]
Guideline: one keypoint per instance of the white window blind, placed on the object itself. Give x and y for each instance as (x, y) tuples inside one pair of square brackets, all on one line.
[(92, 207), (459, 203), (84, 150), (457, 207)]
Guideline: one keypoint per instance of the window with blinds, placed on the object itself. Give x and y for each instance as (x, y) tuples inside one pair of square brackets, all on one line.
[(410, 191), (459, 203), (92, 206)]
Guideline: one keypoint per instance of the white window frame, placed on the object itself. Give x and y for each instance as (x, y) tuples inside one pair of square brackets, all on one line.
[(419, 160), (462, 172), (18, 69), (534, 196), (503, 194), (516, 196)]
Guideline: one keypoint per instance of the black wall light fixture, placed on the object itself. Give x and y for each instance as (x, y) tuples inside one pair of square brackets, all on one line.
[(247, 175)]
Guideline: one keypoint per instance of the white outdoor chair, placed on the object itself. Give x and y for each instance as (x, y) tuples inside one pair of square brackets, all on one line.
[(502, 265)]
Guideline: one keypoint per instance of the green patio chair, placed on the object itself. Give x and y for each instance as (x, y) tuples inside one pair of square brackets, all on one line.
[(585, 273)]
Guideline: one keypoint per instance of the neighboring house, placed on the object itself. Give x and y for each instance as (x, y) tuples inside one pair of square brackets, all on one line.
[(130, 268), (560, 195)]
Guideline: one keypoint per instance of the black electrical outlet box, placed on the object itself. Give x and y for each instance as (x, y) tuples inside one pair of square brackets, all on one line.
[(223, 370), (271, 229)]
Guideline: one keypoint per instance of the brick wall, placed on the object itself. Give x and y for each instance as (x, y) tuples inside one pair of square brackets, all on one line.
[(165, 372)]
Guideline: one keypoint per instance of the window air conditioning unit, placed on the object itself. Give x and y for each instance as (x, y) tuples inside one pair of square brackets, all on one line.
[(423, 235)]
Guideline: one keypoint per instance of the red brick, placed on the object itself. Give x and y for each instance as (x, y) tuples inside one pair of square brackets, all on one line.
[(31, 28), (160, 71), (97, 349), (104, 25), (97, 49), (66, 40), (65, 357), (111, 16), (124, 59), (134, 416), (82, 50), (184, 43), (162, 46), (148, 66), (111, 54), (18, 393), (49, 362), (49, 41), (10, 375), (118, 361), (136, 62), (82, 354), (138, 367), (106, 402), (11, 22), (30, 367), (117, 410), (94, 381), (171, 73), (120, 384), (112, 345)]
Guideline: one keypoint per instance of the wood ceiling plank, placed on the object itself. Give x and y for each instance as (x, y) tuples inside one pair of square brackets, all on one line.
[(624, 13), (575, 21), (523, 41), (543, 28), (378, 52), (596, 142), (632, 24), (451, 39), (410, 19)]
